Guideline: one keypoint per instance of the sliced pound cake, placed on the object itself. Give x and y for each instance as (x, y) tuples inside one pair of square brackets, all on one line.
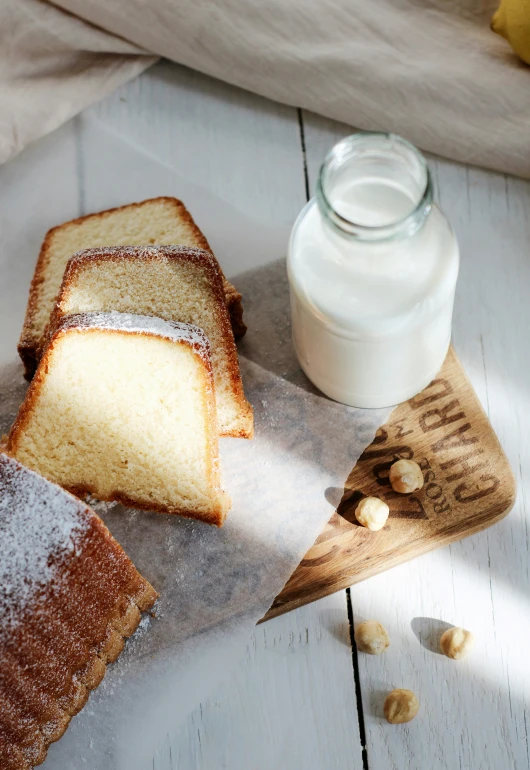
[(175, 283), (159, 221), (68, 597), (123, 407)]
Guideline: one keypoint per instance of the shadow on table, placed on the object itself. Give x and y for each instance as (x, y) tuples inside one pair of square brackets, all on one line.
[(428, 632), (268, 342)]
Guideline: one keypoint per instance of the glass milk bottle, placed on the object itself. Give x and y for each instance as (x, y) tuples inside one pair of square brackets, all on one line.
[(372, 267)]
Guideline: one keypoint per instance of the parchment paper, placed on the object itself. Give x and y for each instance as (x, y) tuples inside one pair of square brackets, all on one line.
[(214, 584)]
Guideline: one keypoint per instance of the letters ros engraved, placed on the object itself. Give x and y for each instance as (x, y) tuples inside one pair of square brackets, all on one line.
[(456, 473)]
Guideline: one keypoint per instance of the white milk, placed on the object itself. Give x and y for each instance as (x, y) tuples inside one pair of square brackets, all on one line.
[(372, 268)]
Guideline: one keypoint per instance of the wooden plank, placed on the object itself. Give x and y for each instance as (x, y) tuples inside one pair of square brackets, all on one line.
[(242, 148), (468, 486), (473, 712), (293, 695), (290, 703)]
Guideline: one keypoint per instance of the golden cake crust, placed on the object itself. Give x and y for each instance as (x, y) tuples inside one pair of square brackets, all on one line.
[(30, 338), (72, 596)]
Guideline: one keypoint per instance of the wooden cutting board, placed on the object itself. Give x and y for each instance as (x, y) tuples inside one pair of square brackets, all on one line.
[(468, 486)]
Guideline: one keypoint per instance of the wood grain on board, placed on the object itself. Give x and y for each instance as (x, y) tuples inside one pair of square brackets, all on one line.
[(468, 485)]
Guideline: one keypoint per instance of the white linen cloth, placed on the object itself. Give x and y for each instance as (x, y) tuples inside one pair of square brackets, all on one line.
[(430, 70)]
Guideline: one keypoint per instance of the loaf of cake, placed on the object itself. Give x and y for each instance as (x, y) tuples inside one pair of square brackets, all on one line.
[(68, 597), (156, 221), (123, 407), (176, 283)]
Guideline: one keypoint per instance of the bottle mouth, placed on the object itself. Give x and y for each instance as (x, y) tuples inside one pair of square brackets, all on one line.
[(375, 186)]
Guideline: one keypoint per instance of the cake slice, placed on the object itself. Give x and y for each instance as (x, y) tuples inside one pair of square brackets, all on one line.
[(176, 283), (159, 221), (123, 407), (68, 597)]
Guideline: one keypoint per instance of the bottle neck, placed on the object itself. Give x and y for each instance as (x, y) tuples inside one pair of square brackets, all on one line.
[(374, 187)]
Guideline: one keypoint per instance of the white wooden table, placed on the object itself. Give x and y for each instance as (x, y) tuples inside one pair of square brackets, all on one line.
[(302, 699)]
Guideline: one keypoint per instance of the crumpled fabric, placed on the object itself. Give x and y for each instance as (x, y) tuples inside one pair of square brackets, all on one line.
[(430, 70)]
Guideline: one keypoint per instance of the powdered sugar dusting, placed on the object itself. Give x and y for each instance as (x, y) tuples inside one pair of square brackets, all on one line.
[(40, 524), (140, 324), (146, 252)]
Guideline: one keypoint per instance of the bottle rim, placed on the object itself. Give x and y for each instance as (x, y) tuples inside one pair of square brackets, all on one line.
[(345, 150)]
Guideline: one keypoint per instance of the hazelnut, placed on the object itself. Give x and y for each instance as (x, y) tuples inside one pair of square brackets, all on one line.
[(401, 706), (406, 476), (456, 642), (371, 637), (372, 513)]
